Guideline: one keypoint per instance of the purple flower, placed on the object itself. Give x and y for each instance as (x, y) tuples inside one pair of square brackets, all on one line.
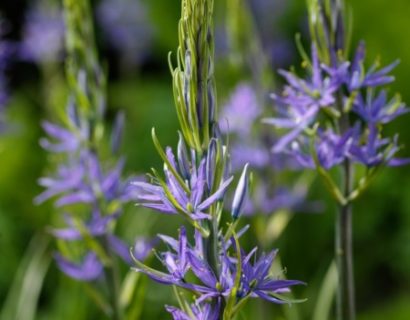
[(126, 24), (213, 286), (318, 91), (88, 270), (43, 34), (66, 140), (377, 110), (331, 149), (302, 100), (202, 311), (97, 226), (241, 111), (184, 258), (257, 282), (377, 150), (358, 78), (190, 197), (337, 94), (176, 263), (84, 181), (243, 152)]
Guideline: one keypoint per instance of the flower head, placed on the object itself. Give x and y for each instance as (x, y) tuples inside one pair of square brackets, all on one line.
[(361, 143), (90, 268), (197, 311), (376, 150), (84, 181), (358, 78), (241, 111), (190, 197), (377, 110), (184, 258), (256, 279)]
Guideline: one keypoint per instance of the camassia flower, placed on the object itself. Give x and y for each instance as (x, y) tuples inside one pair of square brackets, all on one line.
[(202, 311), (256, 280), (338, 89), (377, 110), (186, 189), (377, 151), (241, 111), (194, 183), (84, 181), (357, 77), (99, 226), (184, 261), (331, 149), (302, 99), (90, 268)]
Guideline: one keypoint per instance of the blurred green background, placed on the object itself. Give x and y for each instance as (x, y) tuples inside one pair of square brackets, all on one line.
[(381, 216)]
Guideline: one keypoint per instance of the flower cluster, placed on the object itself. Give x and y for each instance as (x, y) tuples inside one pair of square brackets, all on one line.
[(87, 185), (82, 179), (311, 107), (194, 184), (203, 311), (188, 188), (241, 273)]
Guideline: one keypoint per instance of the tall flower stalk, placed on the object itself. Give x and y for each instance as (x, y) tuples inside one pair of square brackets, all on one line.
[(334, 119), (196, 176), (87, 185)]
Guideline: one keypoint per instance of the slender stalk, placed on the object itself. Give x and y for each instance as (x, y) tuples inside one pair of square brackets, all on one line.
[(211, 250), (344, 253), (112, 279)]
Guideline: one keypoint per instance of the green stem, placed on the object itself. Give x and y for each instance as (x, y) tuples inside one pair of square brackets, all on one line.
[(344, 253), (112, 279), (212, 252)]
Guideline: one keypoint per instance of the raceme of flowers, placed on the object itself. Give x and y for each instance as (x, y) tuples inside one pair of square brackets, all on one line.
[(83, 179), (184, 260), (330, 91), (195, 179)]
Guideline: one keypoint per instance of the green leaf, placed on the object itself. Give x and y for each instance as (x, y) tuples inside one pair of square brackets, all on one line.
[(21, 301), (326, 294), (128, 287)]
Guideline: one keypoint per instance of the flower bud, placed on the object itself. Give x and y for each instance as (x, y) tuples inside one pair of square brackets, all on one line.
[(240, 193)]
